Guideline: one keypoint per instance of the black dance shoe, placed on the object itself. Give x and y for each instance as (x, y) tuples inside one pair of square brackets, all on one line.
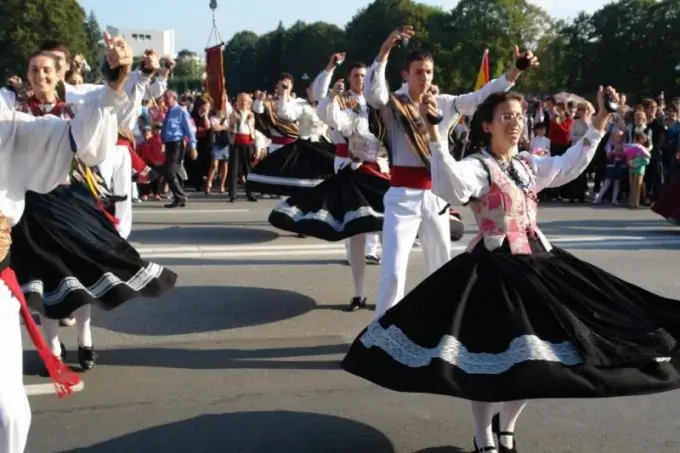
[(496, 428), (87, 358), (357, 303), (483, 449)]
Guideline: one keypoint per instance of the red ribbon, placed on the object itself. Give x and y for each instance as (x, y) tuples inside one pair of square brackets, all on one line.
[(64, 379)]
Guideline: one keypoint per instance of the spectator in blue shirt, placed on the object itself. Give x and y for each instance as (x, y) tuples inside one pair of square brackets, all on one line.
[(177, 130)]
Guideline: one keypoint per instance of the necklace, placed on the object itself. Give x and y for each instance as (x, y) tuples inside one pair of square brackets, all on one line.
[(511, 172)]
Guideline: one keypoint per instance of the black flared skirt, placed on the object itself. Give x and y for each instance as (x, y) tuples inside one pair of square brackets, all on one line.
[(668, 204), (293, 168), (491, 326), (66, 253), (344, 205)]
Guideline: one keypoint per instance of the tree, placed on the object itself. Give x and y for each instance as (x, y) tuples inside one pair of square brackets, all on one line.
[(632, 44), (497, 25), (369, 28), (188, 66), (24, 25), (95, 51)]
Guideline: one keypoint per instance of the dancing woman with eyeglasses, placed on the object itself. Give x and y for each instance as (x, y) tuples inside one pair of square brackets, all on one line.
[(514, 318)]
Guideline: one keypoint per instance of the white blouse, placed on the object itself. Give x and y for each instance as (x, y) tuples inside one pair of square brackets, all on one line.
[(36, 152)]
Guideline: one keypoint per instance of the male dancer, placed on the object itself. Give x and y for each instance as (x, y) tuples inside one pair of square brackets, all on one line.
[(36, 155), (280, 131), (411, 208), (320, 87)]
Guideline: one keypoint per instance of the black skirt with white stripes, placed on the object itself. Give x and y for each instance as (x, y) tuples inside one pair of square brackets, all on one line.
[(67, 253), (293, 168), (492, 326)]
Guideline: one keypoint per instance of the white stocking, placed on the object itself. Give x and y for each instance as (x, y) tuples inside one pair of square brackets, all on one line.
[(357, 263), (83, 316), (510, 412), (483, 413), (50, 328)]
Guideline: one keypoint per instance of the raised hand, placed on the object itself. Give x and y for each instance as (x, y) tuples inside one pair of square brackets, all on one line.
[(118, 56), (525, 60)]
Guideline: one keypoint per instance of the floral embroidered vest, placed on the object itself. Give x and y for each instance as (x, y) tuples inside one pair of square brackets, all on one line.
[(505, 212)]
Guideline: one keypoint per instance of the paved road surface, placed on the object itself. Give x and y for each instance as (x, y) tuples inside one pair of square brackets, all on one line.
[(243, 356)]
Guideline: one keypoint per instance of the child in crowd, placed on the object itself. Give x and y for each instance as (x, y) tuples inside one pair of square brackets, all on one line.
[(615, 168), (638, 158), (151, 150), (540, 144)]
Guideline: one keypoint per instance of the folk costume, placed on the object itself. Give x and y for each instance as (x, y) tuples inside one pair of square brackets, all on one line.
[(68, 254), (299, 165), (554, 326), (411, 209), (321, 91), (280, 131), (36, 156), (668, 204), (349, 204), (242, 151)]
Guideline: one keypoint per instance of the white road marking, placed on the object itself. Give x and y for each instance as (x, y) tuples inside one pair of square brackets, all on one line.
[(49, 389), (338, 248), (186, 211)]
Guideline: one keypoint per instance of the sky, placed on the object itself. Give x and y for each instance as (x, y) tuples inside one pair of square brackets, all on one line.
[(192, 20)]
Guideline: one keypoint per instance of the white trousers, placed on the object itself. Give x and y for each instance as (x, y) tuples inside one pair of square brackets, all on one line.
[(410, 213), (15, 412), (117, 173)]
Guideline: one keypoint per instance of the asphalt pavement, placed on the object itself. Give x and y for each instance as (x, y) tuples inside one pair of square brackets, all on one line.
[(243, 356)]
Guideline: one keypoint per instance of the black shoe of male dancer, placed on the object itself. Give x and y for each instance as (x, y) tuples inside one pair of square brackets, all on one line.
[(372, 259), (87, 358), (357, 303)]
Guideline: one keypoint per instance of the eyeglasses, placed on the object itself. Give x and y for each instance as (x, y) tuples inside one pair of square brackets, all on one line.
[(507, 118)]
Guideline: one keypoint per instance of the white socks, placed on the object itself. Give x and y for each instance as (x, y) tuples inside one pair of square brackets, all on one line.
[(83, 317), (357, 263), (484, 412), (509, 414), (50, 328)]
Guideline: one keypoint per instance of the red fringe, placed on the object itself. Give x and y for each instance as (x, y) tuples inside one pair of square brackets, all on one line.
[(64, 379)]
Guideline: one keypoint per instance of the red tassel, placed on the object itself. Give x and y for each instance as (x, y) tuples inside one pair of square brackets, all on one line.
[(108, 215), (64, 379)]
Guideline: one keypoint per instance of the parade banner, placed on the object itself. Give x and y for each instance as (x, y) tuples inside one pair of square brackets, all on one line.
[(215, 72)]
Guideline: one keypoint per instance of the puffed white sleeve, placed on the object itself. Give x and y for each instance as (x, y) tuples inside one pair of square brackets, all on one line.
[(457, 182), (556, 171), (43, 147)]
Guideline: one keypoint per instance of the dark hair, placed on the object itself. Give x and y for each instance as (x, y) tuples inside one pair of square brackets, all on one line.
[(54, 45), (355, 65), (41, 53), (641, 138), (417, 55), (549, 99), (486, 111), (649, 103), (286, 76)]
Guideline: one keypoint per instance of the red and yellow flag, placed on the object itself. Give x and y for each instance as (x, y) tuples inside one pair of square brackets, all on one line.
[(483, 76)]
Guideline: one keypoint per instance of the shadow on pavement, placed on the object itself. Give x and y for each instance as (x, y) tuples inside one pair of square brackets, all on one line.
[(252, 432), (442, 450), (203, 235), (200, 309), (285, 358)]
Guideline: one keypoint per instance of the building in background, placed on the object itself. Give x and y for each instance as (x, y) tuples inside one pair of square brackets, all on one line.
[(162, 41)]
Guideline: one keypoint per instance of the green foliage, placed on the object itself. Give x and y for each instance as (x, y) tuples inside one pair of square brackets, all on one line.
[(633, 44), (25, 24)]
